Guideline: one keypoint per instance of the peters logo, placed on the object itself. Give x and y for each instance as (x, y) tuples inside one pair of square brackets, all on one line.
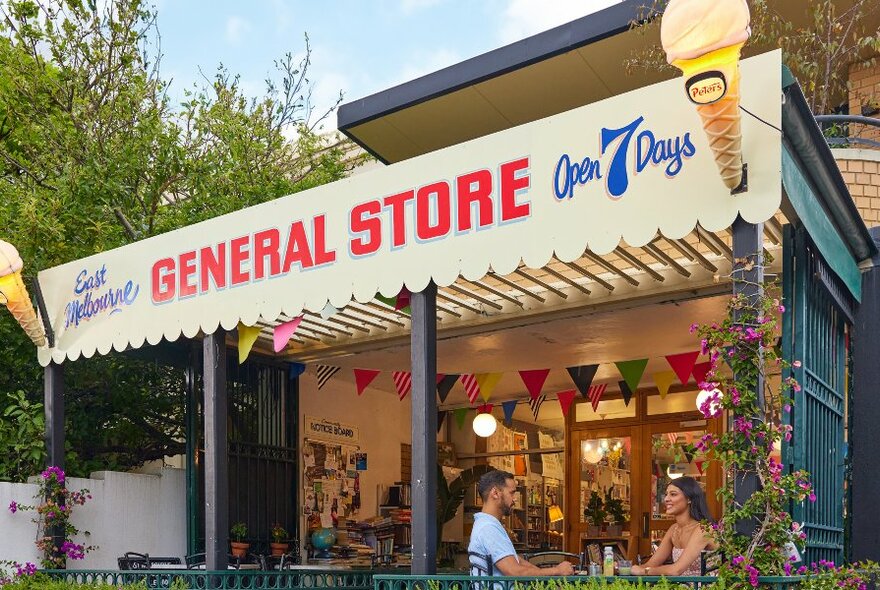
[(93, 295), (706, 88)]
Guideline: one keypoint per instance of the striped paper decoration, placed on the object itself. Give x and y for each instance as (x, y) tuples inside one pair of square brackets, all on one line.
[(471, 387), (325, 372), (595, 393), (673, 437), (403, 382), (535, 404)]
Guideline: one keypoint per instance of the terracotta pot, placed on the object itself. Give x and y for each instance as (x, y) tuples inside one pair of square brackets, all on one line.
[(279, 549), (239, 549)]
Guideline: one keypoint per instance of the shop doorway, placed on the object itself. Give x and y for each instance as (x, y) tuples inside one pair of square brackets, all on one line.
[(620, 459)]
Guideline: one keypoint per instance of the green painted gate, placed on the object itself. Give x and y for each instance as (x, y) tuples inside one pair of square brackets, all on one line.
[(815, 327)]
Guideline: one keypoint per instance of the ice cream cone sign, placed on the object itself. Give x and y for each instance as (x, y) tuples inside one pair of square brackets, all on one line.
[(703, 38), (14, 295)]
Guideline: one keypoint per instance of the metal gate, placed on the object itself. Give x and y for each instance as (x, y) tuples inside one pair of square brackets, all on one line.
[(815, 327)]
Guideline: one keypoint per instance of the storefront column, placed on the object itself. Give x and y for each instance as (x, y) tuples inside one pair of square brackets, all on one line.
[(423, 344), (53, 407), (216, 457), (748, 280), (864, 415)]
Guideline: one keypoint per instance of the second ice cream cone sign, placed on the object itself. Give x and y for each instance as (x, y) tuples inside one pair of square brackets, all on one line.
[(14, 295), (703, 38)]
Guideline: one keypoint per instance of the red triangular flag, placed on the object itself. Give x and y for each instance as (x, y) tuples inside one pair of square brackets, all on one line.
[(484, 409), (534, 381), (699, 465), (363, 377), (403, 382), (700, 371), (683, 364), (565, 399)]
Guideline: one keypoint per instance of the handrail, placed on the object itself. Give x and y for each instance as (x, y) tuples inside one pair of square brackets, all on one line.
[(824, 120)]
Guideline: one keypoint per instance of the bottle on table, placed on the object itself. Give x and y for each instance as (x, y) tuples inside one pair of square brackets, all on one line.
[(608, 562)]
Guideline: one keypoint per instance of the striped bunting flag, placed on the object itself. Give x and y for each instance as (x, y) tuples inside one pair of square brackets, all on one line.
[(595, 393), (673, 437), (535, 404), (325, 372), (403, 382), (471, 387)]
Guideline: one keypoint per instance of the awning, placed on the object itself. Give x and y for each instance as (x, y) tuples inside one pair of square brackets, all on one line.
[(623, 169)]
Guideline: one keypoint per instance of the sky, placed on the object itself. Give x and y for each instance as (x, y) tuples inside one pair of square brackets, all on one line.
[(358, 46)]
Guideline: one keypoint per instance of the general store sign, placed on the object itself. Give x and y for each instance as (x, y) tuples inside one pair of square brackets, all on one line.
[(620, 169), (319, 428)]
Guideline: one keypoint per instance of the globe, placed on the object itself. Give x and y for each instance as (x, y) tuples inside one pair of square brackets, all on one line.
[(322, 540)]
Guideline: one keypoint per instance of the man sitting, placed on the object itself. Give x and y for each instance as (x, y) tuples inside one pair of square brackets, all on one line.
[(497, 489)]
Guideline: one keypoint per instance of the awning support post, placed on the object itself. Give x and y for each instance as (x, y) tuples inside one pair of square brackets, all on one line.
[(423, 342), (53, 410), (216, 457)]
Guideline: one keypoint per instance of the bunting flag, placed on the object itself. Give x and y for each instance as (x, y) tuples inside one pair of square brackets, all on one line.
[(688, 454), (460, 415), (625, 391), (683, 364), (328, 311), (402, 382), (363, 377), (487, 383), (632, 372), (441, 416), (699, 465), (508, 408), (444, 385), (471, 386), (689, 437), (535, 404), (701, 370), (657, 470), (583, 377), (283, 332), (247, 336), (663, 380), (402, 300), (325, 372), (673, 437), (627, 445), (534, 381), (595, 394), (565, 398), (295, 370), (484, 409)]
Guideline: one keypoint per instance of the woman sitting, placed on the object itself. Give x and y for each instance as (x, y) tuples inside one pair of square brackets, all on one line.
[(685, 539)]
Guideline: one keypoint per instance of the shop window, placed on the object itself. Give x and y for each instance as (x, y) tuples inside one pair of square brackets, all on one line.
[(673, 403), (608, 409)]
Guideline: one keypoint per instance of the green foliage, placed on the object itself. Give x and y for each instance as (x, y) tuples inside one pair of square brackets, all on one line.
[(614, 507), (238, 532), (819, 48), (41, 582), (595, 511), (828, 576), (93, 156), (21, 434), (450, 495)]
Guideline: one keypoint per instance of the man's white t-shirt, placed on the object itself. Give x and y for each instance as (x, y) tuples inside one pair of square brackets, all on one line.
[(488, 537)]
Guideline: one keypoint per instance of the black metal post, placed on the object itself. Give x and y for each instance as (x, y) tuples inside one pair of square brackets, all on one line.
[(423, 343), (53, 409), (864, 416), (748, 280), (216, 457)]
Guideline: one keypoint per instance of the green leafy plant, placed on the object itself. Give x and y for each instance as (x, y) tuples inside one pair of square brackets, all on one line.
[(279, 533), (238, 532), (595, 511), (614, 507), (21, 434), (450, 495)]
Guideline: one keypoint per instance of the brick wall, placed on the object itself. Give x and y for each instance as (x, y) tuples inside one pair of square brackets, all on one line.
[(861, 172), (864, 81)]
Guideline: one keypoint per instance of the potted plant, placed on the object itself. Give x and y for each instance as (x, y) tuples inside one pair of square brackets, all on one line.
[(279, 544), (237, 534), (616, 516), (594, 513)]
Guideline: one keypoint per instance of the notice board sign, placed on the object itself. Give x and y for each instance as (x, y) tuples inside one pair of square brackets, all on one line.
[(321, 429)]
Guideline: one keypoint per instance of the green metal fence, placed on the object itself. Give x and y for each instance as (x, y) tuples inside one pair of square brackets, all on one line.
[(448, 582), (217, 580)]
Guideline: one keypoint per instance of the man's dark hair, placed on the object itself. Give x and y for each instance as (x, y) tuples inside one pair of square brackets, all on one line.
[(492, 479)]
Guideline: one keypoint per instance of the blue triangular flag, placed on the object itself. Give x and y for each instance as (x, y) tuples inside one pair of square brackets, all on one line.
[(296, 369), (508, 408)]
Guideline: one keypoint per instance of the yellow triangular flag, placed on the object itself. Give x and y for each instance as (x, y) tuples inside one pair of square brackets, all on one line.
[(663, 380), (247, 335), (487, 383)]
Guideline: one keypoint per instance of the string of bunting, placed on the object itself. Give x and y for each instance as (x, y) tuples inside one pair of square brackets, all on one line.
[(481, 385)]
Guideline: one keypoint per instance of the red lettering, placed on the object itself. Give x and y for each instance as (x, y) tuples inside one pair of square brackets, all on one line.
[(297, 250), (424, 229), (322, 255), (371, 226), (397, 204), (467, 193), (266, 245), (511, 184), (237, 258), (213, 267), (187, 266), (163, 280)]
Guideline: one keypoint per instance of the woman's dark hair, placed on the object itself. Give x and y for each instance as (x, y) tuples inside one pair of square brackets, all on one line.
[(699, 509)]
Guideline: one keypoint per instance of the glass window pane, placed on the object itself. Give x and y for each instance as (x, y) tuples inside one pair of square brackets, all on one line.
[(673, 403), (608, 409), (605, 492), (669, 461)]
